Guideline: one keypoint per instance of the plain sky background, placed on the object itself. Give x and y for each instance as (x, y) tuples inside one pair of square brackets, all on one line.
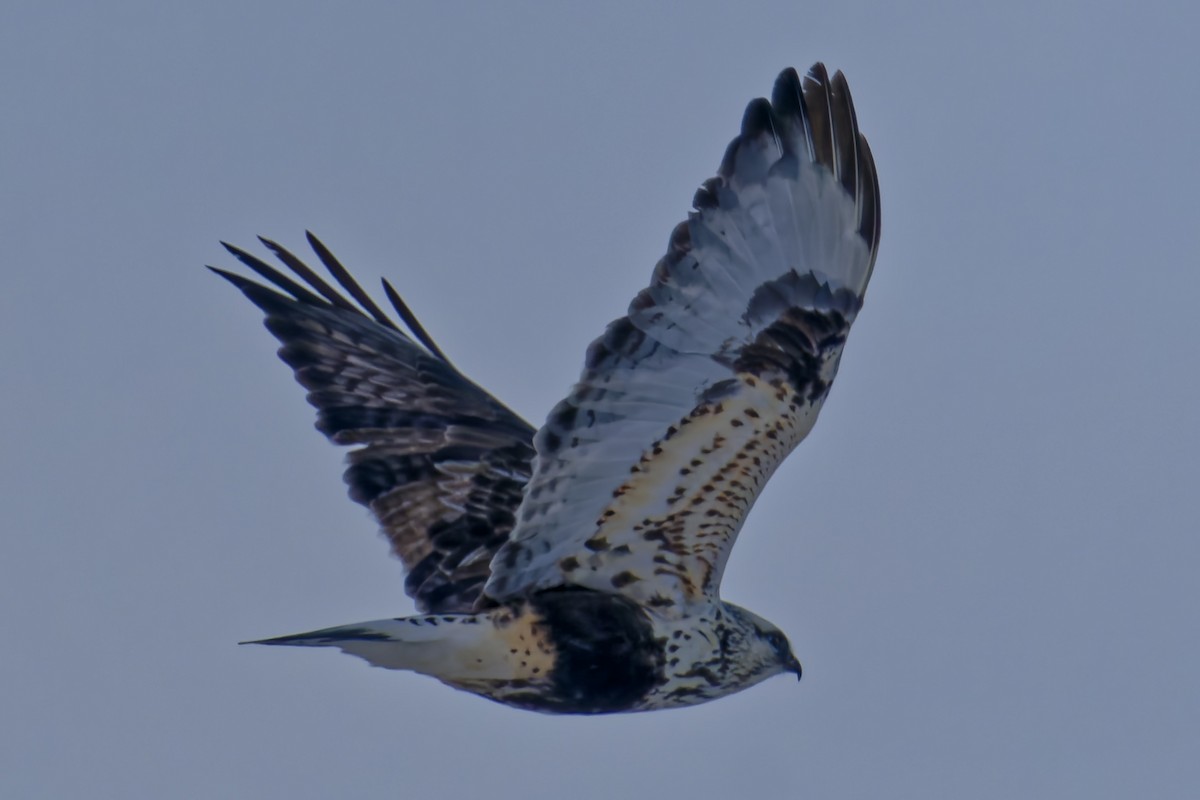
[(986, 555)]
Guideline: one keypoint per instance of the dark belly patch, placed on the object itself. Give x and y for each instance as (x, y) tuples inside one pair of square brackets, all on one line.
[(606, 656)]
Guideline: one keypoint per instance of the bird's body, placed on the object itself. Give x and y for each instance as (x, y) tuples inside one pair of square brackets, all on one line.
[(578, 570), (570, 651)]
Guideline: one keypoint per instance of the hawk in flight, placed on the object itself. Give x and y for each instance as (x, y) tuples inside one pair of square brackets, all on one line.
[(577, 568)]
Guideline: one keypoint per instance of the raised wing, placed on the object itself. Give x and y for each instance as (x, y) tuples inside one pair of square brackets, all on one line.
[(439, 461), (646, 471)]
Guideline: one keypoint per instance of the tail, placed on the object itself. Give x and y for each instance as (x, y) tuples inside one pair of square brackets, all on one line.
[(450, 647)]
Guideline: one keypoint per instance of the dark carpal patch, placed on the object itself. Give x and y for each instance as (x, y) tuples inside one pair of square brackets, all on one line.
[(809, 323), (607, 658)]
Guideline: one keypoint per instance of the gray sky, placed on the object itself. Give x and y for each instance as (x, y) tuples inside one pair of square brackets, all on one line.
[(985, 555)]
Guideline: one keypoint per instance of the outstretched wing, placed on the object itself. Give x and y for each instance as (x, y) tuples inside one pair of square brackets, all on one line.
[(646, 471), (439, 461)]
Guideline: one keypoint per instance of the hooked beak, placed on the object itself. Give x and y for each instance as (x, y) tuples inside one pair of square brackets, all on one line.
[(794, 666)]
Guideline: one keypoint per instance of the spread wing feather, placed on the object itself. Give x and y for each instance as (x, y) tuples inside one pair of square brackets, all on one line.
[(645, 472), (439, 462)]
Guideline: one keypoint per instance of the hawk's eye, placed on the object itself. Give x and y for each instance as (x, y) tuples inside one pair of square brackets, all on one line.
[(777, 641)]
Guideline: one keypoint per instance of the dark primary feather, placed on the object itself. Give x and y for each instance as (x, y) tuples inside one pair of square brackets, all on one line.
[(827, 111), (439, 461)]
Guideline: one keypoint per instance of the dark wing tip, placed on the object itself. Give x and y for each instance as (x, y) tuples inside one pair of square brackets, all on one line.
[(787, 96), (786, 83), (818, 73), (314, 290), (757, 121), (758, 118), (237, 280), (306, 273), (346, 280), (845, 132), (813, 114), (824, 107), (819, 115), (869, 226), (410, 320)]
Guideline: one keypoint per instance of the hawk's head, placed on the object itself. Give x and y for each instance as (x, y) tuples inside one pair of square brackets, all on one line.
[(764, 650)]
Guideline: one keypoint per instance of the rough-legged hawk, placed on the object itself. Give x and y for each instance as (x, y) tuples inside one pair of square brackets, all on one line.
[(577, 568)]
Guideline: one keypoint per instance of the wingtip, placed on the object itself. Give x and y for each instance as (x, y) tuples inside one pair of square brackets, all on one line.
[(787, 96), (237, 280), (758, 118), (410, 319), (233, 250), (787, 77), (270, 244), (818, 73)]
